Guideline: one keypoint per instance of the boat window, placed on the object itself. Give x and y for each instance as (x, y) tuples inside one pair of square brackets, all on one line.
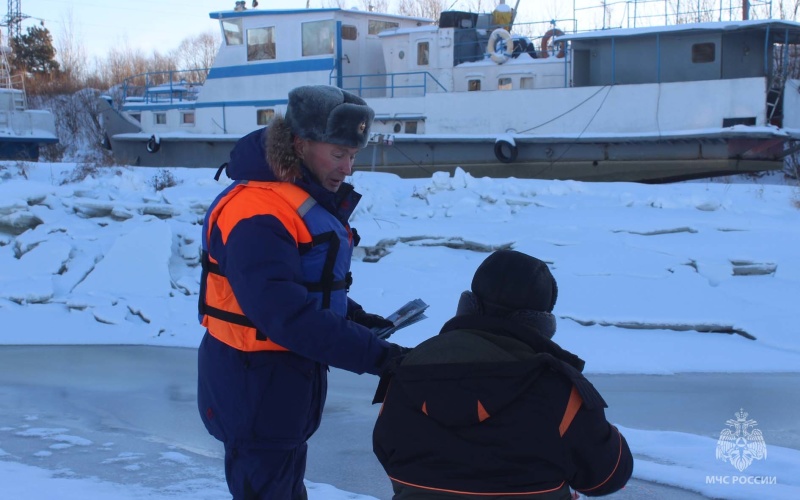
[(397, 128), (232, 28), (504, 84), (376, 27), (160, 118), (261, 44), (703, 52), (136, 116), (473, 85), (526, 82), (411, 127), (318, 38), (349, 32), (730, 122), (263, 116), (187, 118), (423, 51)]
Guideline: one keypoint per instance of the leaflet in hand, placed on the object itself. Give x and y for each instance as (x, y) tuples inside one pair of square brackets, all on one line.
[(409, 314)]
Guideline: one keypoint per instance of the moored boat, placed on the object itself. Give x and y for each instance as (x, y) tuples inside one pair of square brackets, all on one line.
[(650, 103), (22, 130)]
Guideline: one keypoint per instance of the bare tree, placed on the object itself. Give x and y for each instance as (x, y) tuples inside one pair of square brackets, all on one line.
[(71, 53), (197, 51), (123, 62), (788, 10), (422, 8), (374, 5), (476, 5)]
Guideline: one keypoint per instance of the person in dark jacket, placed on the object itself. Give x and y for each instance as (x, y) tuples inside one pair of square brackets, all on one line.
[(492, 408), (277, 247)]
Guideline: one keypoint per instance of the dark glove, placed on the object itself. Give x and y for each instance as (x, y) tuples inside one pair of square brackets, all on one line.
[(364, 318), (392, 359), (386, 367)]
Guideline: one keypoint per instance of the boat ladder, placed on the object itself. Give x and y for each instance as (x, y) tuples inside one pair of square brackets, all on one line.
[(774, 96), (19, 102)]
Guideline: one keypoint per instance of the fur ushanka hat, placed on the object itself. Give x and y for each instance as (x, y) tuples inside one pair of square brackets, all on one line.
[(329, 114), (319, 113)]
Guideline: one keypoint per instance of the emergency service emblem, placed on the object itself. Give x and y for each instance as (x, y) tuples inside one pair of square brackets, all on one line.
[(741, 442)]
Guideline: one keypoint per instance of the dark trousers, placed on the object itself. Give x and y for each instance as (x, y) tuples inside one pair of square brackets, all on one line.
[(263, 474)]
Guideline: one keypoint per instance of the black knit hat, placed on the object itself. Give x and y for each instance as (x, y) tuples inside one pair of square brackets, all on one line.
[(509, 281), (329, 114)]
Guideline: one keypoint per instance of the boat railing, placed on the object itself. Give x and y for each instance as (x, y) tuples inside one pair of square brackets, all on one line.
[(10, 81), (406, 84), (472, 45), (642, 13), (164, 87)]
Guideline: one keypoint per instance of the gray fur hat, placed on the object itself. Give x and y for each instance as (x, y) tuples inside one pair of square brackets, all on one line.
[(329, 114)]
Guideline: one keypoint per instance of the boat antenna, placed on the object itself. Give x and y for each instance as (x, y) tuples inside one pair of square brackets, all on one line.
[(513, 16)]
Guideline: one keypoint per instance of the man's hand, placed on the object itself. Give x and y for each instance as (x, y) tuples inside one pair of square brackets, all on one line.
[(392, 359), (387, 365), (364, 318)]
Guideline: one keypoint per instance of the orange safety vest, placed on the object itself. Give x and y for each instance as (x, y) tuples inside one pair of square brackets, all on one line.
[(320, 239)]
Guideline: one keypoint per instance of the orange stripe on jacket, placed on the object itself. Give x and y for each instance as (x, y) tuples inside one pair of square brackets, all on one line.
[(616, 466), (573, 405), (482, 413), (495, 493)]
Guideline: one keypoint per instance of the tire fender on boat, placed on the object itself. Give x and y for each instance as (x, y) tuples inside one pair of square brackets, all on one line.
[(491, 47), (546, 40), (505, 150), (153, 144)]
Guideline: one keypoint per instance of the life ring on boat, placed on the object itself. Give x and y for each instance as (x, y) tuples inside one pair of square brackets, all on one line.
[(491, 47), (153, 144), (505, 151), (547, 52)]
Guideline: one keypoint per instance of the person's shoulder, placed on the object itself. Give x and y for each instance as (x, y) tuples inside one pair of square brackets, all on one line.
[(459, 346), (261, 198)]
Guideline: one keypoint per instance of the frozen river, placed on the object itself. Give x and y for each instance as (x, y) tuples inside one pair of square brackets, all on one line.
[(127, 414)]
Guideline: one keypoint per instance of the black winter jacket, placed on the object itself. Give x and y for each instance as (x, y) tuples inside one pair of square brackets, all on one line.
[(482, 408)]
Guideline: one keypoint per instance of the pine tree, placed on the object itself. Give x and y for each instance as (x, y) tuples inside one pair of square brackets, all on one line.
[(34, 52)]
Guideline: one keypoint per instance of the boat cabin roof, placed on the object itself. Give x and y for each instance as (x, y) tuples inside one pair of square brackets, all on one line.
[(232, 14), (401, 31), (716, 26)]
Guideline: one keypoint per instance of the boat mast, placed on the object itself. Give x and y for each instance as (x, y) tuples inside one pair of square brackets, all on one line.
[(513, 16)]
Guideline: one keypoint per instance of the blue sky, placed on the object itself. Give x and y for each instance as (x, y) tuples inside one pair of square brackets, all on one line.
[(162, 24), (143, 24), (152, 24)]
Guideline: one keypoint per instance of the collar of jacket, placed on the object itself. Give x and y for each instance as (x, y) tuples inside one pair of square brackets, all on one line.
[(517, 327), (341, 204)]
